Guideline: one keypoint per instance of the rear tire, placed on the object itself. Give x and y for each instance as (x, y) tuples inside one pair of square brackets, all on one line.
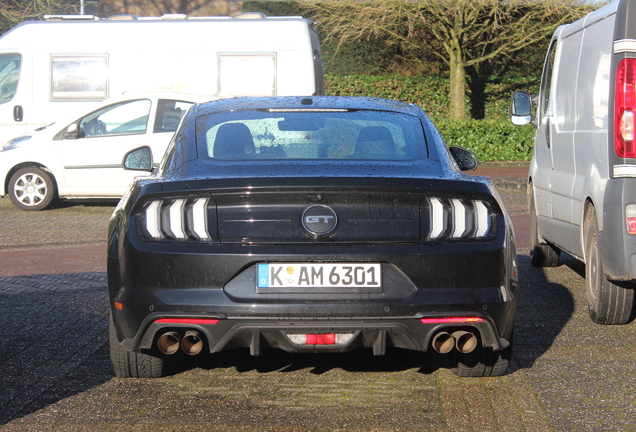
[(607, 302), (542, 254), (128, 364), (483, 362)]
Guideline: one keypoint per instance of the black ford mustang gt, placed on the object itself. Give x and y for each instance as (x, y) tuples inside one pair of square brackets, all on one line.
[(315, 224)]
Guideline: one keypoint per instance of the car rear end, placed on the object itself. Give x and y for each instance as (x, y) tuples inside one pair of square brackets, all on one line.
[(313, 256), (241, 266)]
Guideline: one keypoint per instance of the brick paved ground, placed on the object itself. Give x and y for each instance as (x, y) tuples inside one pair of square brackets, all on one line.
[(78, 259)]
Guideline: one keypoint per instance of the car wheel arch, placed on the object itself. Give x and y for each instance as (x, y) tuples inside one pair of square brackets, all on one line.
[(22, 165)]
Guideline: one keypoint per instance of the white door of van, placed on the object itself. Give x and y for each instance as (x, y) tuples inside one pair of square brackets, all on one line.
[(542, 148), (92, 162), (13, 97), (560, 138), (554, 149)]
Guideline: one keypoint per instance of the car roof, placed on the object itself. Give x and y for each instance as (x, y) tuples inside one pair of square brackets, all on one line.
[(308, 103)]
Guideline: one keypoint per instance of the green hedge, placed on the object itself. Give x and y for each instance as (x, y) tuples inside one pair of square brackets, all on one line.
[(492, 139), (430, 93)]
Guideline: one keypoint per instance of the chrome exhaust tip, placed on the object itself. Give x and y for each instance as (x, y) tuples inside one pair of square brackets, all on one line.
[(169, 342), (192, 344), (443, 342), (465, 342)]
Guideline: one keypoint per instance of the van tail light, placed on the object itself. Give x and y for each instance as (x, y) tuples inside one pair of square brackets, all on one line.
[(625, 109), (630, 218)]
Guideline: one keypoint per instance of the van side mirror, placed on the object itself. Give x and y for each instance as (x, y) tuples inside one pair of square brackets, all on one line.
[(466, 160), (521, 109), (139, 159)]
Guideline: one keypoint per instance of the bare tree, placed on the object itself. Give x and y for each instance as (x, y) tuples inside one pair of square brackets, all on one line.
[(13, 12), (160, 7), (462, 33)]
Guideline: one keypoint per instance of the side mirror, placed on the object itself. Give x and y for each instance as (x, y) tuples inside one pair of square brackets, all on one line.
[(521, 109), (466, 160), (72, 131), (139, 159)]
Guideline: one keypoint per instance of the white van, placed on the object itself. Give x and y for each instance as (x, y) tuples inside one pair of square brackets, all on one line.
[(582, 178), (50, 69)]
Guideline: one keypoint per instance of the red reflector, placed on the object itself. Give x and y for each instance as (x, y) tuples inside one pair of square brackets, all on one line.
[(321, 339), (186, 321), (631, 225), (451, 320), (624, 108)]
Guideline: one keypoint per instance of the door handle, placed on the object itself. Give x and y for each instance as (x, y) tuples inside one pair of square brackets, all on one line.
[(547, 131), (18, 113)]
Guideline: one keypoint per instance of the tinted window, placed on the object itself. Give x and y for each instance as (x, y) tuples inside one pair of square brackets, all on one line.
[(120, 119), (169, 114), (312, 134), (9, 75)]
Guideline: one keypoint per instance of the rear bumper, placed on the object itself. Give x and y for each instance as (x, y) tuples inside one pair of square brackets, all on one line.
[(618, 248), (258, 334), (419, 280)]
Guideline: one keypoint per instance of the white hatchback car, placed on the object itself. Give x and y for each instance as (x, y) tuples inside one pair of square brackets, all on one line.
[(82, 156)]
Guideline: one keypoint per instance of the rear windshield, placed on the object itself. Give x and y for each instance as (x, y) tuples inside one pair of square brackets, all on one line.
[(310, 134)]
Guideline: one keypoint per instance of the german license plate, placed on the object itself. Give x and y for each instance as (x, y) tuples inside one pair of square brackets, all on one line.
[(319, 275)]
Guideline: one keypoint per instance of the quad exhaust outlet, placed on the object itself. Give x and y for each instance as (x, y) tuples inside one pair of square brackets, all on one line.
[(465, 342)]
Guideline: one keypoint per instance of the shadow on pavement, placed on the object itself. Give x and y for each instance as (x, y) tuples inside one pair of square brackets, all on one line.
[(272, 360), (91, 202), (55, 341), (543, 310)]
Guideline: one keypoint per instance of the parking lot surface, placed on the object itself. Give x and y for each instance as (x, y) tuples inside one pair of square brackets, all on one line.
[(568, 374)]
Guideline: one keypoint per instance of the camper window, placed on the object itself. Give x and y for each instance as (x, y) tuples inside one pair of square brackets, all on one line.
[(79, 77), (247, 74), (9, 75)]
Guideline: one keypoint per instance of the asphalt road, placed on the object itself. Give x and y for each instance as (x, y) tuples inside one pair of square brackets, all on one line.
[(567, 374)]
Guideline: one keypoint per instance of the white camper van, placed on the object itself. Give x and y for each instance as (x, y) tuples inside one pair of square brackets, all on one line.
[(49, 69), (582, 178)]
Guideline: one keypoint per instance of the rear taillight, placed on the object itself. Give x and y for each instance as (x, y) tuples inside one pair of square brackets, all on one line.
[(176, 219), (457, 219), (625, 108)]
